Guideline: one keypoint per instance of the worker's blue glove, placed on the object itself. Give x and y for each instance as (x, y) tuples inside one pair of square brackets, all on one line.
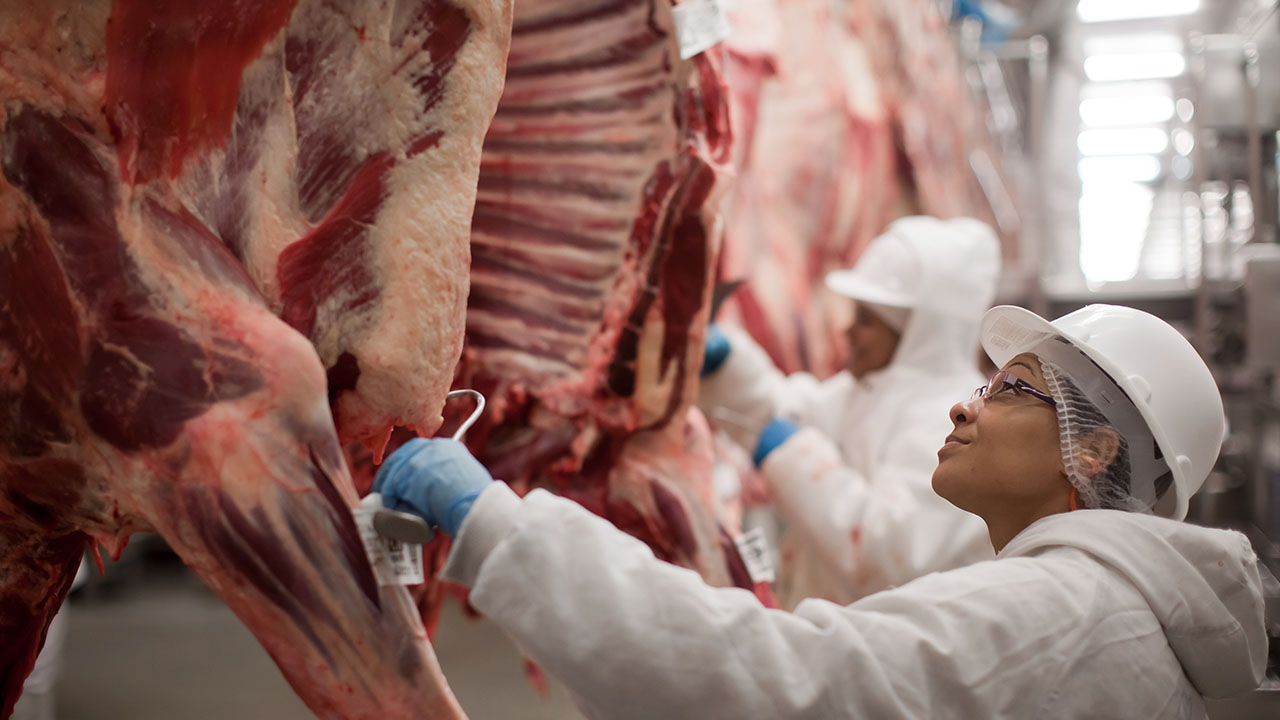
[(774, 434), (716, 351), (436, 478)]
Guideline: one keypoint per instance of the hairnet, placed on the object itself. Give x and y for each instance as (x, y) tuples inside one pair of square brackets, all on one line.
[(1088, 399)]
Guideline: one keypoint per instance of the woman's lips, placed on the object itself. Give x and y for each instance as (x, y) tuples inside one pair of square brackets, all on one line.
[(951, 443)]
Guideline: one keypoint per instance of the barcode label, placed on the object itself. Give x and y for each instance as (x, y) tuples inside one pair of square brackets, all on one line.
[(754, 549), (394, 562), (700, 24)]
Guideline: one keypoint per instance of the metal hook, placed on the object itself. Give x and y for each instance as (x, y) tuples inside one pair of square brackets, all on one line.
[(475, 414), (407, 527)]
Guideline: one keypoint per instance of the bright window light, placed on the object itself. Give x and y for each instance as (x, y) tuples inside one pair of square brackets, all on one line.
[(1110, 68), (1114, 218), (1117, 168), (1108, 10), (1102, 112), (1125, 141)]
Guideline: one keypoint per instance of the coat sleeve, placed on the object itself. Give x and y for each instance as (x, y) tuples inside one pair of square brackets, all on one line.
[(633, 637), (744, 393), (884, 528)]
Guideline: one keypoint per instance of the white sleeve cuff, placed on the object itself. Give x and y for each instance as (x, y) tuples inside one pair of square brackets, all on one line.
[(491, 519)]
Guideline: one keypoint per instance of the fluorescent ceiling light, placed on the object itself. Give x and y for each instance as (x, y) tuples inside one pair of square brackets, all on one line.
[(1145, 110), (1132, 44), (1089, 91), (1098, 171), (1109, 10), (1114, 219), (1126, 141), (1109, 68)]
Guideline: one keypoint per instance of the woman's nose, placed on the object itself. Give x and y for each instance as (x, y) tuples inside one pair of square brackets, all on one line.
[(965, 412)]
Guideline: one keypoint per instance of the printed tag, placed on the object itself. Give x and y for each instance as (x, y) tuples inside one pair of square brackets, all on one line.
[(700, 24), (753, 546), (394, 562)]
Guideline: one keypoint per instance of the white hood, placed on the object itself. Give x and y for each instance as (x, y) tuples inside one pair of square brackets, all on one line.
[(1202, 584), (959, 267)]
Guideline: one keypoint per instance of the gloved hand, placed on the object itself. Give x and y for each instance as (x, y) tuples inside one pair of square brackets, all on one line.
[(715, 351), (774, 434), (435, 478)]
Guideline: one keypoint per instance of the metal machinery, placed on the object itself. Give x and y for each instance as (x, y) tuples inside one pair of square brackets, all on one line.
[(1201, 252), (1237, 302), (1218, 180)]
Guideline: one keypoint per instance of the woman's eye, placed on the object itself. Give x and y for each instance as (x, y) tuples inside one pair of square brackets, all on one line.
[(1008, 390)]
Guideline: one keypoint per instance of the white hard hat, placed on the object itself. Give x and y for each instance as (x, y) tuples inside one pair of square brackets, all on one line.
[(1151, 362), (892, 273)]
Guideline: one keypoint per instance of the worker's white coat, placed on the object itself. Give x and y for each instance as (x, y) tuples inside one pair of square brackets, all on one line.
[(855, 484), (1091, 614)]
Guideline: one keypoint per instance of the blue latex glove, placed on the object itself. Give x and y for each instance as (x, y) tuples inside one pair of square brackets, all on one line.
[(995, 26), (435, 478), (716, 351), (774, 434)]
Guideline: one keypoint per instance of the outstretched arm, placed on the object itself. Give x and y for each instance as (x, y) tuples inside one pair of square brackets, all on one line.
[(881, 528), (634, 637)]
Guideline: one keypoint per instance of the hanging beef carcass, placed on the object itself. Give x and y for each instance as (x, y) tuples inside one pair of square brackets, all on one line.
[(593, 246), (146, 386), (348, 196), (814, 173), (927, 95), (144, 382)]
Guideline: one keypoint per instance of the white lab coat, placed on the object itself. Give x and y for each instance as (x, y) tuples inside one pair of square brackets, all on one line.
[(855, 486), (1092, 614)]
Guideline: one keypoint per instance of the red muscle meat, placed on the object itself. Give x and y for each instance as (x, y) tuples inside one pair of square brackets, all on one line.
[(814, 174), (593, 250), (925, 91), (846, 116), (144, 382), (346, 186)]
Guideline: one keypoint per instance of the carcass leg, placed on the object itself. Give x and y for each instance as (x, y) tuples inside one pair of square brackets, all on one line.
[(34, 580), (274, 537)]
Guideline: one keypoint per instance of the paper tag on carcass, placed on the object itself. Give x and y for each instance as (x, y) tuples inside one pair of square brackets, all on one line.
[(394, 562), (753, 546), (700, 24)]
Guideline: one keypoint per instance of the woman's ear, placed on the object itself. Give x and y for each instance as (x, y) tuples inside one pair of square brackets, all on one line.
[(1098, 449)]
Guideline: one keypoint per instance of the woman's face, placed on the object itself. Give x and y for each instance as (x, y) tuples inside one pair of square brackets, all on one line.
[(872, 341), (1002, 460)]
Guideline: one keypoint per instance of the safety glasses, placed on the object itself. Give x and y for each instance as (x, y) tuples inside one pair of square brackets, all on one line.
[(1010, 385)]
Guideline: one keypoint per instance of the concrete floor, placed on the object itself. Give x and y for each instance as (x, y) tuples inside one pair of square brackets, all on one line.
[(161, 646)]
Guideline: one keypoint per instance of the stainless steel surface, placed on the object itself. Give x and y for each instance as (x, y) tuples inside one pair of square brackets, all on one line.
[(1262, 308), (1222, 502), (1219, 63)]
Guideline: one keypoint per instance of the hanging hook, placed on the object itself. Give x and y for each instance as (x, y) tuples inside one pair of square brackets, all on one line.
[(475, 414)]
